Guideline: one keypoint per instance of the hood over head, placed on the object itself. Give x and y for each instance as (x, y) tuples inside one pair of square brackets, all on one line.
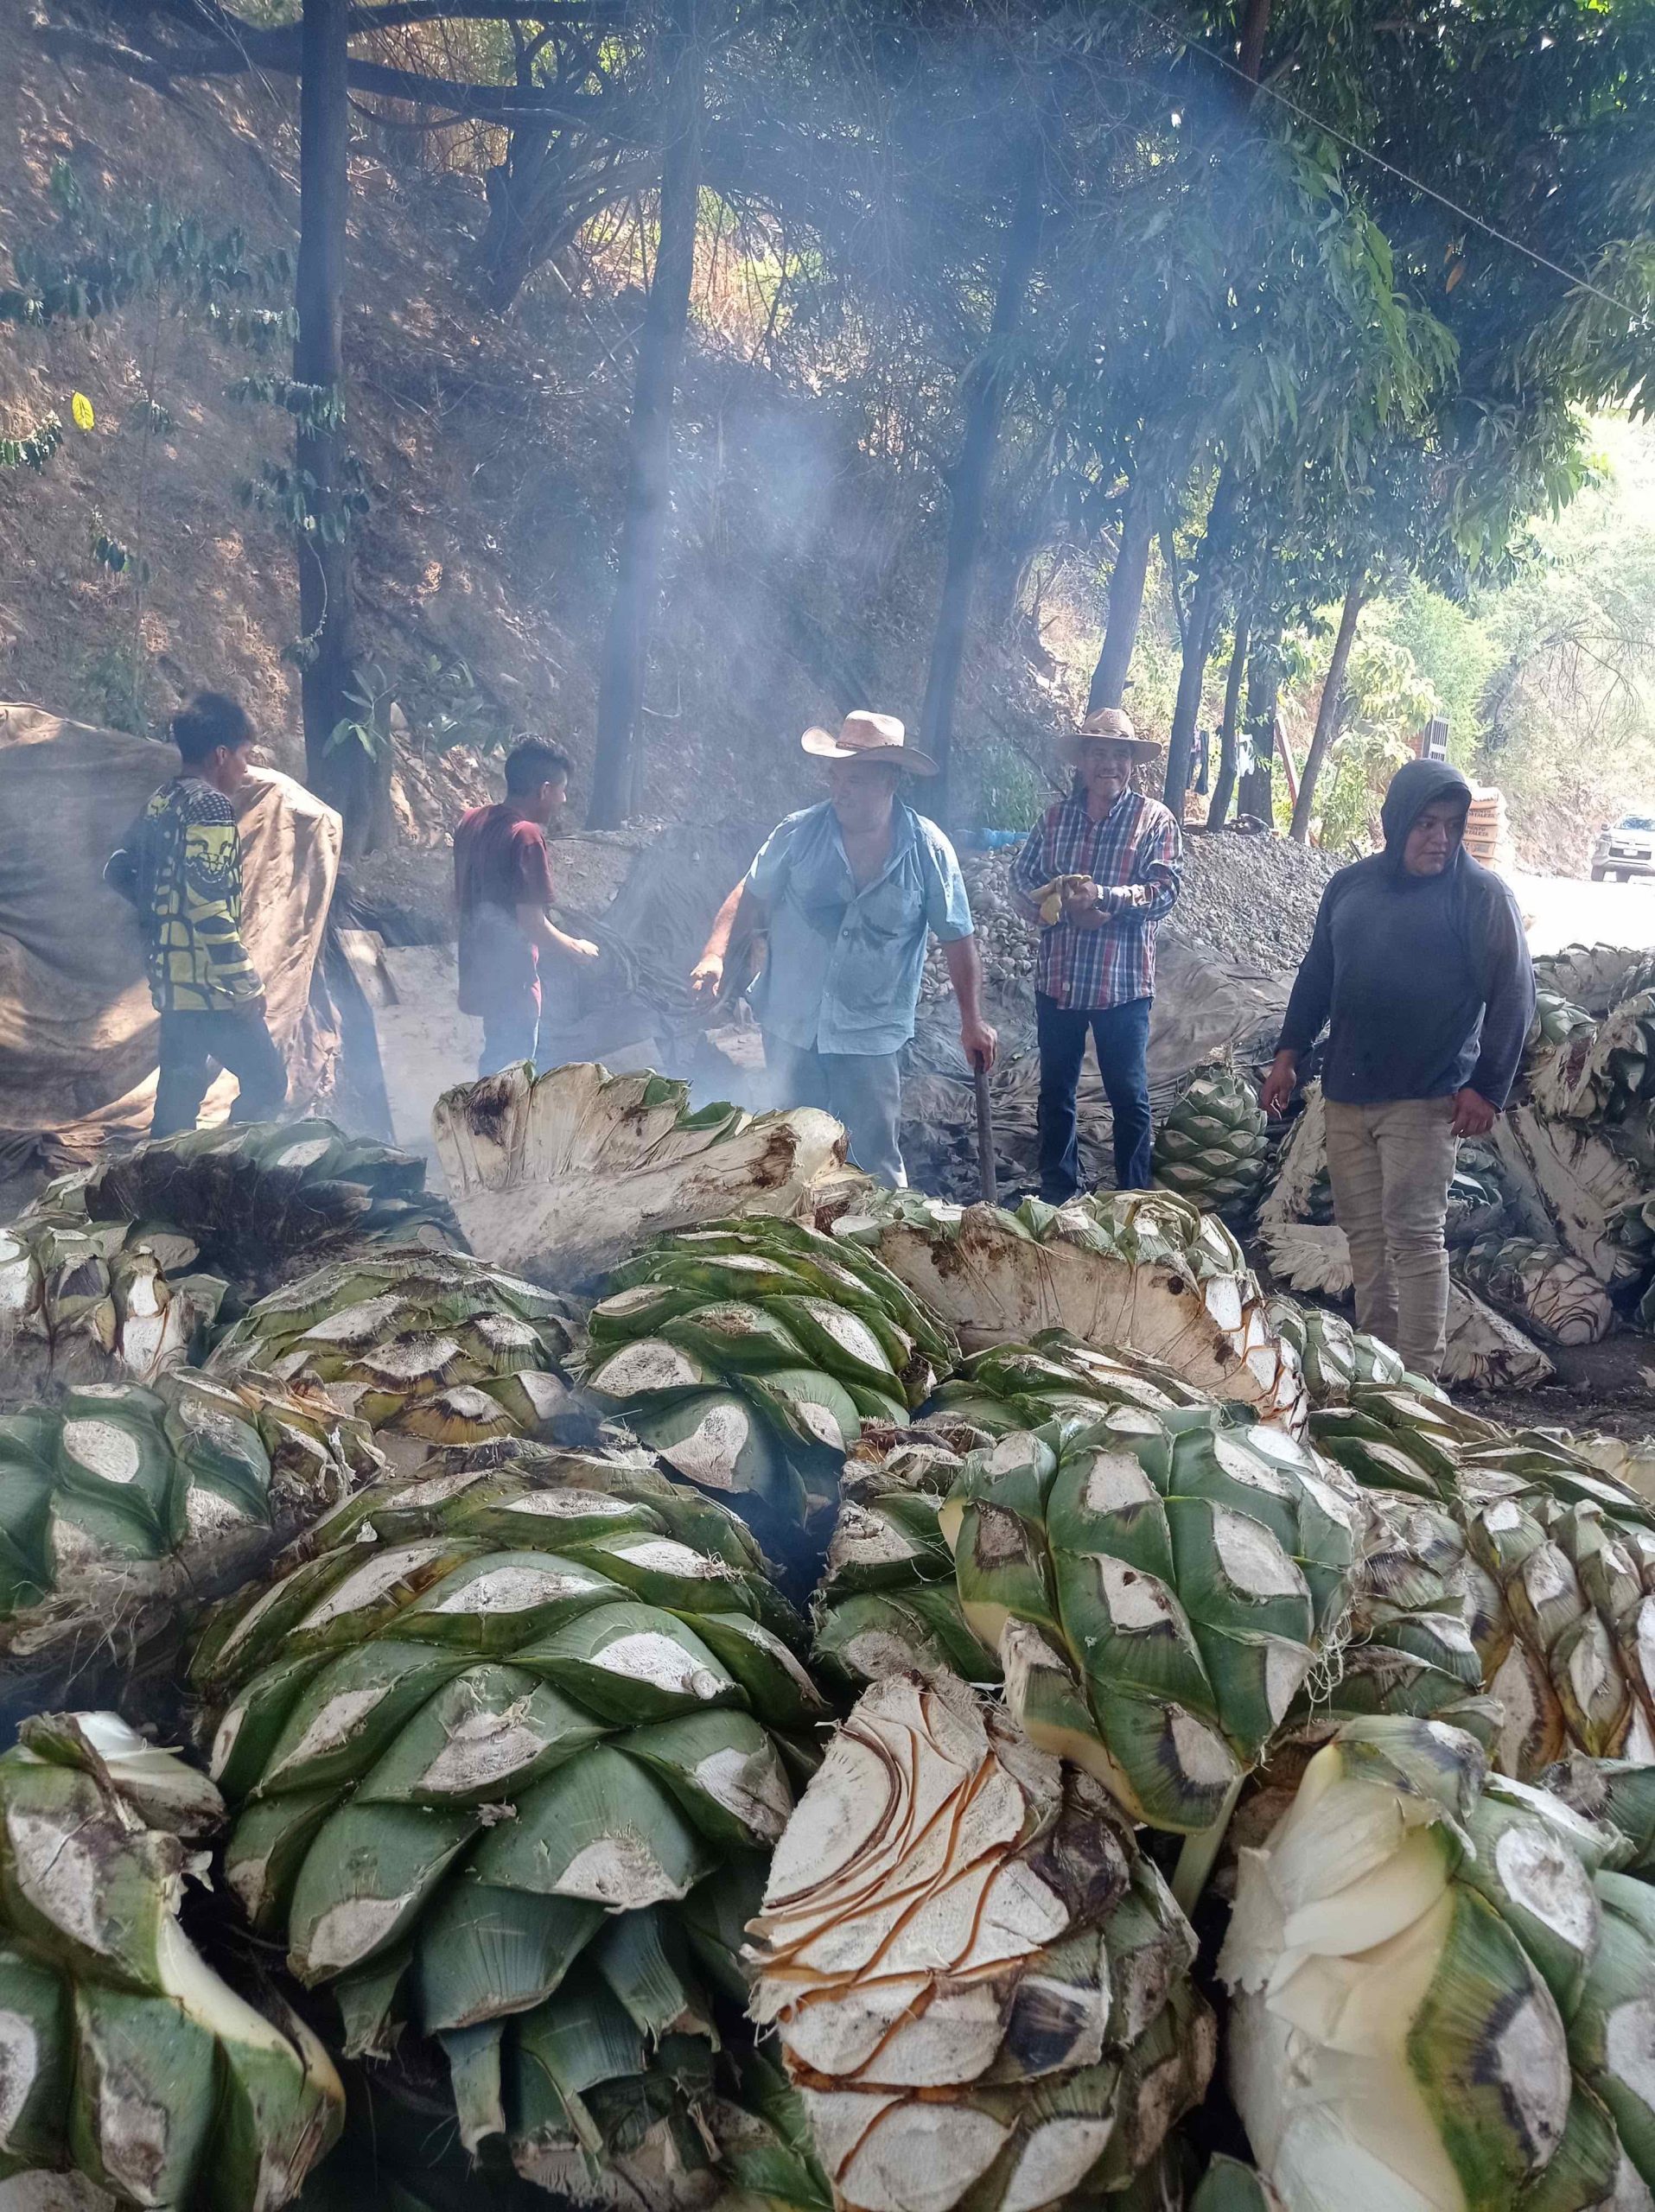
[(1413, 788)]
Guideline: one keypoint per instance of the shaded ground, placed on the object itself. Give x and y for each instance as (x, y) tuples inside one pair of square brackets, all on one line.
[(1609, 1386)]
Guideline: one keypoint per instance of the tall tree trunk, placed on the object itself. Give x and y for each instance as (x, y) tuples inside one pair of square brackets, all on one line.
[(1255, 29), (616, 775), (1223, 789), (1191, 679), (1199, 631), (1327, 714), (983, 393), (338, 766), (1255, 796), (1108, 686)]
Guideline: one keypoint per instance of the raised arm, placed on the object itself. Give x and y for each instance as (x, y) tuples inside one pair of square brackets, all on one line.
[(1157, 876)]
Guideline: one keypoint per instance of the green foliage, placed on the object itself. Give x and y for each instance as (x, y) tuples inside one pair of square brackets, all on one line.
[(369, 696), (1009, 791), (35, 448), (1453, 650), (444, 706), (159, 252), (294, 497), (314, 407), (1387, 701), (112, 686), (109, 553)]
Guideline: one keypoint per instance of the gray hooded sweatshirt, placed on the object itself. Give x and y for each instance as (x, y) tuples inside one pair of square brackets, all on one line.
[(1424, 979)]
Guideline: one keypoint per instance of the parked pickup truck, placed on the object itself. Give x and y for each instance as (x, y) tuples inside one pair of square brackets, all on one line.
[(1625, 848)]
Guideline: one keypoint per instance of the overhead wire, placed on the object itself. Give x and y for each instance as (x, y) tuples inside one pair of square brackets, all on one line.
[(1415, 184)]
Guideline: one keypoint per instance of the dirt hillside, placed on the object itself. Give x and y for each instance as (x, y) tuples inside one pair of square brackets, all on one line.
[(799, 579)]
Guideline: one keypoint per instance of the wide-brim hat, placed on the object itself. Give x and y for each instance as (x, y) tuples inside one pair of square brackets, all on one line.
[(864, 736), (1115, 725)]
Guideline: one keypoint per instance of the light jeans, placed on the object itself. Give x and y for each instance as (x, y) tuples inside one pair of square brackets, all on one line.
[(1391, 1166), (862, 1089)]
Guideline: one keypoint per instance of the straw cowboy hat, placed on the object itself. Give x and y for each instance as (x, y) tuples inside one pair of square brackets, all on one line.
[(869, 737), (1114, 725)]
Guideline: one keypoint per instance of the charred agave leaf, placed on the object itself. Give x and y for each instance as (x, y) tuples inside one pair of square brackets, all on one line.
[(129, 2063), (264, 1201), (1435, 1977), (506, 1759), (980, 1990)]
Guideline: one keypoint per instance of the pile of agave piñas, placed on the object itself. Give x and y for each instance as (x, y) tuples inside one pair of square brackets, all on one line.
[(768, 1736)]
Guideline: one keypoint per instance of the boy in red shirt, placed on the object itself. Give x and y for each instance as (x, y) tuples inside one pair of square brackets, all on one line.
[(502, 886)]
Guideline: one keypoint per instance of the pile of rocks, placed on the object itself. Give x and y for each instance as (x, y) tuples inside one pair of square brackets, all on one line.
[(1005, 942), (1253, 898)]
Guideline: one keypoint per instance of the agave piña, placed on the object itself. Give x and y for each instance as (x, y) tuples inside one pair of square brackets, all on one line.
[(1142, 1272), (561, 1176), (506, 1758), (123, 1511), (980, 1989), (127, 2058), (428, 1348), (1438, 1989), (749, 1354), (1211, 1147)]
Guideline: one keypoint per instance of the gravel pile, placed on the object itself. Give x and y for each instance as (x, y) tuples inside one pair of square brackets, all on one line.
[(1254, 898)]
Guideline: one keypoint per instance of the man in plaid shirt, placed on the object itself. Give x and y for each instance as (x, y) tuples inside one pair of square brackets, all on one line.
[(1095, 968)]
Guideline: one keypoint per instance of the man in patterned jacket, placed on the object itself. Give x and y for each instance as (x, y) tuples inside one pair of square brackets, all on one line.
[(1118, 860), (180, 864)]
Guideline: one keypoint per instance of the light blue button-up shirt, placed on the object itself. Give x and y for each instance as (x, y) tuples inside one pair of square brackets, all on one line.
[(843, 972)]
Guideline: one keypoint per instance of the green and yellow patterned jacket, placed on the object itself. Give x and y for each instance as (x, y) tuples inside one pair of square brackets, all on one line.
[(181, 866)]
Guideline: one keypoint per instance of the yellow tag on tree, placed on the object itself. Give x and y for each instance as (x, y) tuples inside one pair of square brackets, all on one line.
[(81, 408)]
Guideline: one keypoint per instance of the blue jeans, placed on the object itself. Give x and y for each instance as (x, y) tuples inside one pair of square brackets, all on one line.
[(1121, 1034), (862, 1089)]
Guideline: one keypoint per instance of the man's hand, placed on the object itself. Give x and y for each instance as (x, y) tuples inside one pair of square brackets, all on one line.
[(1279, 1086), (980, 1044), (1082, 911), (707, 976), (583, 948), (1473, 1115)]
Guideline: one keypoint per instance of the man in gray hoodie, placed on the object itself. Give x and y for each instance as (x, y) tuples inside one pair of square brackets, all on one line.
[(1419, 967)]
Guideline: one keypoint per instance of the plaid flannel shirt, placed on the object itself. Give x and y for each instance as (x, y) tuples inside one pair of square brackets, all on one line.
[(1136, 855)]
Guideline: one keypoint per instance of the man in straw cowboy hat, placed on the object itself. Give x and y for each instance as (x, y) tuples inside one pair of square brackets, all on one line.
[(1096, 876), (847, 891)]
